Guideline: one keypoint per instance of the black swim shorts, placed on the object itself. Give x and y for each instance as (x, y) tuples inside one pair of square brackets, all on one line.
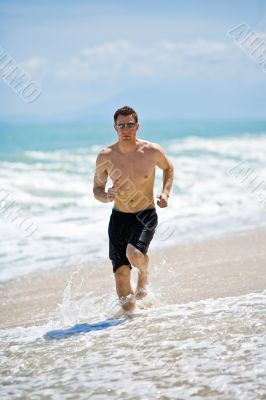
[(134, 228)]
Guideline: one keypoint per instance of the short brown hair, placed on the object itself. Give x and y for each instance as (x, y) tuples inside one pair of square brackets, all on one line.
[(126, 111)]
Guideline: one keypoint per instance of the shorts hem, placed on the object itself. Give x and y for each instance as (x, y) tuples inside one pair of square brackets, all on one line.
[(116, 266), (141, 247)]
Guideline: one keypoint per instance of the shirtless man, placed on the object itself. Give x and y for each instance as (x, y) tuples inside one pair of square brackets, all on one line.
[(130, 163)]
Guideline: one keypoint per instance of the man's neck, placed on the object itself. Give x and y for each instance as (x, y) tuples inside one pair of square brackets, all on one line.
[(127, 147)]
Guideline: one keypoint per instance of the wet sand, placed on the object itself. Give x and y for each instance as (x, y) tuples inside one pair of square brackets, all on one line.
[(229, 266)]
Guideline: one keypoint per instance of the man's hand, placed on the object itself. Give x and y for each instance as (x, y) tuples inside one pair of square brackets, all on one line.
[(111, 192), (162, 200)]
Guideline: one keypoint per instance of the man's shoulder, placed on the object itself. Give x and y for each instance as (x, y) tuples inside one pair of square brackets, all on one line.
[(107, 151), (150, 145)]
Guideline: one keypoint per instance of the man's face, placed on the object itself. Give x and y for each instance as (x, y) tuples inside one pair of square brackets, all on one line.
[(126, 133)]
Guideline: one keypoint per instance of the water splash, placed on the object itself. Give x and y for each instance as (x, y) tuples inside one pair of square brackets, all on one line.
[(79, 305)]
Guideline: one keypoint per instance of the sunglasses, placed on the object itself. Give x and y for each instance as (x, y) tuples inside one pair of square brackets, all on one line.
[(130, 125)]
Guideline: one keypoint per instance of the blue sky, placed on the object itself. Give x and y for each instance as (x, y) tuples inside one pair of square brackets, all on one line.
[(167, 59)]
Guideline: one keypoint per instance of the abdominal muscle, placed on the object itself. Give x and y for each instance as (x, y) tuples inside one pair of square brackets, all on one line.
[(136, 198)]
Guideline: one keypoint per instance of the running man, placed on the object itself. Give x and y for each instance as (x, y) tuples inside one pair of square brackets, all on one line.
[(130, 164)]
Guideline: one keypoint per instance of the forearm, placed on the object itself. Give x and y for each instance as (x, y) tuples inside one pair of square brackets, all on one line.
[(101, 195), (168, 176)]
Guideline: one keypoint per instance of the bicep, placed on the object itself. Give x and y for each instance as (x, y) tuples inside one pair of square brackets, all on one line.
[(162, 161), (101, 173)]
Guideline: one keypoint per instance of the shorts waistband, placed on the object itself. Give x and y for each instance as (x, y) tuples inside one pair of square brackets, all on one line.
[(133, 213)]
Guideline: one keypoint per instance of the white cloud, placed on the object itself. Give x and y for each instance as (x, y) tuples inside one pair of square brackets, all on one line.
[(116, 48), (33, 64), (123, 59)]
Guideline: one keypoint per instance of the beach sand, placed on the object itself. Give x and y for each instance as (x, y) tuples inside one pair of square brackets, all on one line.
[(228, 266)]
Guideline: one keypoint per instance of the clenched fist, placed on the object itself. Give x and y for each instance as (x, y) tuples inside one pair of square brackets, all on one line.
[(162, 201), (111, 192)]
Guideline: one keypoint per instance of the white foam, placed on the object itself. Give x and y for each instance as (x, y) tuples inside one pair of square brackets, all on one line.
[(55, 190)]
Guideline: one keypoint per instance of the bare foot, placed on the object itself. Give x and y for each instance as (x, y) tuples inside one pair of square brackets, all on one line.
[(140, 293), (128, 302)]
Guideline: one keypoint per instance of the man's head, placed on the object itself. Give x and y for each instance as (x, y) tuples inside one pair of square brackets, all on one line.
[(126, 123), (125, 111)]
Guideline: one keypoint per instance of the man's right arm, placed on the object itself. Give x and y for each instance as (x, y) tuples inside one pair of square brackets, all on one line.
[(100, 179)]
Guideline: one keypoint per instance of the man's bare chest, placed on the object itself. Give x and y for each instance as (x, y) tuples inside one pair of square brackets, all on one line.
[(138, 168)]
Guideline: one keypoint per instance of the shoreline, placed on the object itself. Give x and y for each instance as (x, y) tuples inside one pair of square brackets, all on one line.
[(222, 267)]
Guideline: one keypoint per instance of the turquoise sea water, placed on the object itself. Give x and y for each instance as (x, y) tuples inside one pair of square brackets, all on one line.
[(47, 137)]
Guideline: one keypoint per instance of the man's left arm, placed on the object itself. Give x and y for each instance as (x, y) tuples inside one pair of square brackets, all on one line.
[(163, 162)]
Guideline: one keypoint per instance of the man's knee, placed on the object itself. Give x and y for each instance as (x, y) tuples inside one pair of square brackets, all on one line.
[(135, 256), (122, 274)]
